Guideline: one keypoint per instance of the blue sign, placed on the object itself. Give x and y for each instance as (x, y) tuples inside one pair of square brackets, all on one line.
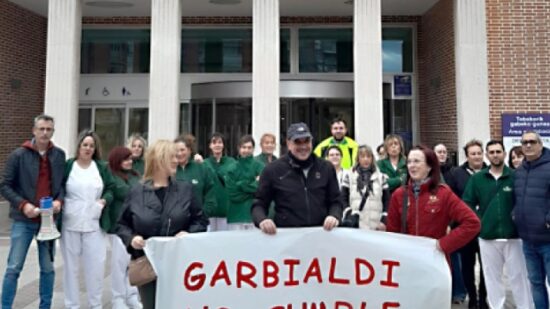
[(402, 85), (514, 125)]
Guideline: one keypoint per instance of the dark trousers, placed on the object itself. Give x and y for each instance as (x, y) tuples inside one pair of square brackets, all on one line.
[(147, 293), (468, 255)]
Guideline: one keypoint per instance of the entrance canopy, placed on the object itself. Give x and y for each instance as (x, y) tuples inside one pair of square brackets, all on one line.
[(202, 8)]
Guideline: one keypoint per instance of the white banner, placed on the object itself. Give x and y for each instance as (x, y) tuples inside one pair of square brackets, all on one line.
[(299, 269)]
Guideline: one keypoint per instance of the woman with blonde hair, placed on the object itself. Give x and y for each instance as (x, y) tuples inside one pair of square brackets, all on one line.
[(365, 191), (145, 211), (137, 144), (394, 165), (268, 143)]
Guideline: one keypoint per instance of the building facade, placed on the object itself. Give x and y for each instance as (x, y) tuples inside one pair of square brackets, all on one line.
[(429, 70)]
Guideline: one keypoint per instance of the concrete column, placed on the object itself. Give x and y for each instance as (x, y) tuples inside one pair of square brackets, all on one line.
[(265, 69), (63, 70), (472, 85), (165, 72), (367, 64)]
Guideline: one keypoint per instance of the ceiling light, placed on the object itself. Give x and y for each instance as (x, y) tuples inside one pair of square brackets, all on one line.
[(109, 4), (225, 2)]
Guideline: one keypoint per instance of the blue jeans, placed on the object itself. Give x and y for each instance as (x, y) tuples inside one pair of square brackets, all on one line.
[(537, 258), (459, 290), (22, 234)]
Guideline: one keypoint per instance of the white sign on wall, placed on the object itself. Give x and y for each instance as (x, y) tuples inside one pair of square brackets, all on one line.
[(299, 268)]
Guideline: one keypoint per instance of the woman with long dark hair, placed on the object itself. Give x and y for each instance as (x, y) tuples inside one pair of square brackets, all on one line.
[(88, 187), (120, 164)]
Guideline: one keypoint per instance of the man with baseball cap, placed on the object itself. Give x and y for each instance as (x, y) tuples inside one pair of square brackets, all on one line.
[(303, 187)]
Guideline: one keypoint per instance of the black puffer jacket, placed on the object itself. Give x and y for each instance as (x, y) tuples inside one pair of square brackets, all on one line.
[(299, 201), (143, 213), (532, 199)]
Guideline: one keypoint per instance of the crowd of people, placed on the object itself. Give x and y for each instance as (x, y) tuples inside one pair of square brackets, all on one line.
[(494, 214)]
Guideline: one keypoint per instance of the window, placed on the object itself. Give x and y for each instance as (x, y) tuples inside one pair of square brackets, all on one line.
[(225, 50), (397, 50), (115, 51), (216, 50), (326, 50)]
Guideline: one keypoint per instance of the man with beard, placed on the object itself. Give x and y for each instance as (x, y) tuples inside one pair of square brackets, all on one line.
[(458, 180), (490, 194), (349, 147), (303, 187)]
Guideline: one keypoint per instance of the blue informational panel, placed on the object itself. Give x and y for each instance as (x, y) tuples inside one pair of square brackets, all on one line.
[(513, 126), (402, 86)]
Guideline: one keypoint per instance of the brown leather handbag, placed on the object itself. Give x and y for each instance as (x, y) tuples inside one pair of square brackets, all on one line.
[(140, 271)]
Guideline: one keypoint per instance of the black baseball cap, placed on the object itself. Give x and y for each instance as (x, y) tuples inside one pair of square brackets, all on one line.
[(298, 130)]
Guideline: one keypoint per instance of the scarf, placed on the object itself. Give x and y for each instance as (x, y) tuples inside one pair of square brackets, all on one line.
[(363, 179)]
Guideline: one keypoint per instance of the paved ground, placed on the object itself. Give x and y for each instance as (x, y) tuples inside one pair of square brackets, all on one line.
[(27, 294)]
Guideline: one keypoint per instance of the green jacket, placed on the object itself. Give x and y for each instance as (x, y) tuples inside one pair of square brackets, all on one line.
[(120, 191), (262, 158), (203, 184), (108, 186), (241, 182), (348, 146), (395, 176), (219, 171), (139, 166), (495, 201)]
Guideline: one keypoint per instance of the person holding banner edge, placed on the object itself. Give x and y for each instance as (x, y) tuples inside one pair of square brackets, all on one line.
[(303, 186), (425, 207), (160, 206)]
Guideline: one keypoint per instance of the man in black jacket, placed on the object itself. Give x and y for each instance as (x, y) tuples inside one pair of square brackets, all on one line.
[(303, 187), (458, 180), (32, 171)]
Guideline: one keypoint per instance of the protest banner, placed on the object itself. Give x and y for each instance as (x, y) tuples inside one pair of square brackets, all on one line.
[(299, 269)]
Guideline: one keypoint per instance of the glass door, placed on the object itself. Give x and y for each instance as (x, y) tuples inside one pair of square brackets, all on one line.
[(230, 117), (398, 116), (109, 126), (114, 123)]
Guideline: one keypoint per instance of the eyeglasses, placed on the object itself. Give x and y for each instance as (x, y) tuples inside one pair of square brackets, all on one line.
[(529, 141)]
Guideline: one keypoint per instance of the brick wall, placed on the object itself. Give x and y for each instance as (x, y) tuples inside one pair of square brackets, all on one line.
[(22, 71), (519, 58), (436, 75)]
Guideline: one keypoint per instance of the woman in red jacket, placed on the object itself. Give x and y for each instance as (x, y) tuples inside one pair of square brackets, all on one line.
[(431, 206)]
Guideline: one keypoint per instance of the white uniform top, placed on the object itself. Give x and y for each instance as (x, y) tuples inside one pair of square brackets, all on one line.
[(82, 210)]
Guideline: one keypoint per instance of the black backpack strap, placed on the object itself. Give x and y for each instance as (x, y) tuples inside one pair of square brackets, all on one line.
[(404, 210)]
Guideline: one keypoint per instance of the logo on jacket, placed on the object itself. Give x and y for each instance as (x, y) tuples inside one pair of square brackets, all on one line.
[(194, 181), (433, 199), (318, 175), (507, 189)]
